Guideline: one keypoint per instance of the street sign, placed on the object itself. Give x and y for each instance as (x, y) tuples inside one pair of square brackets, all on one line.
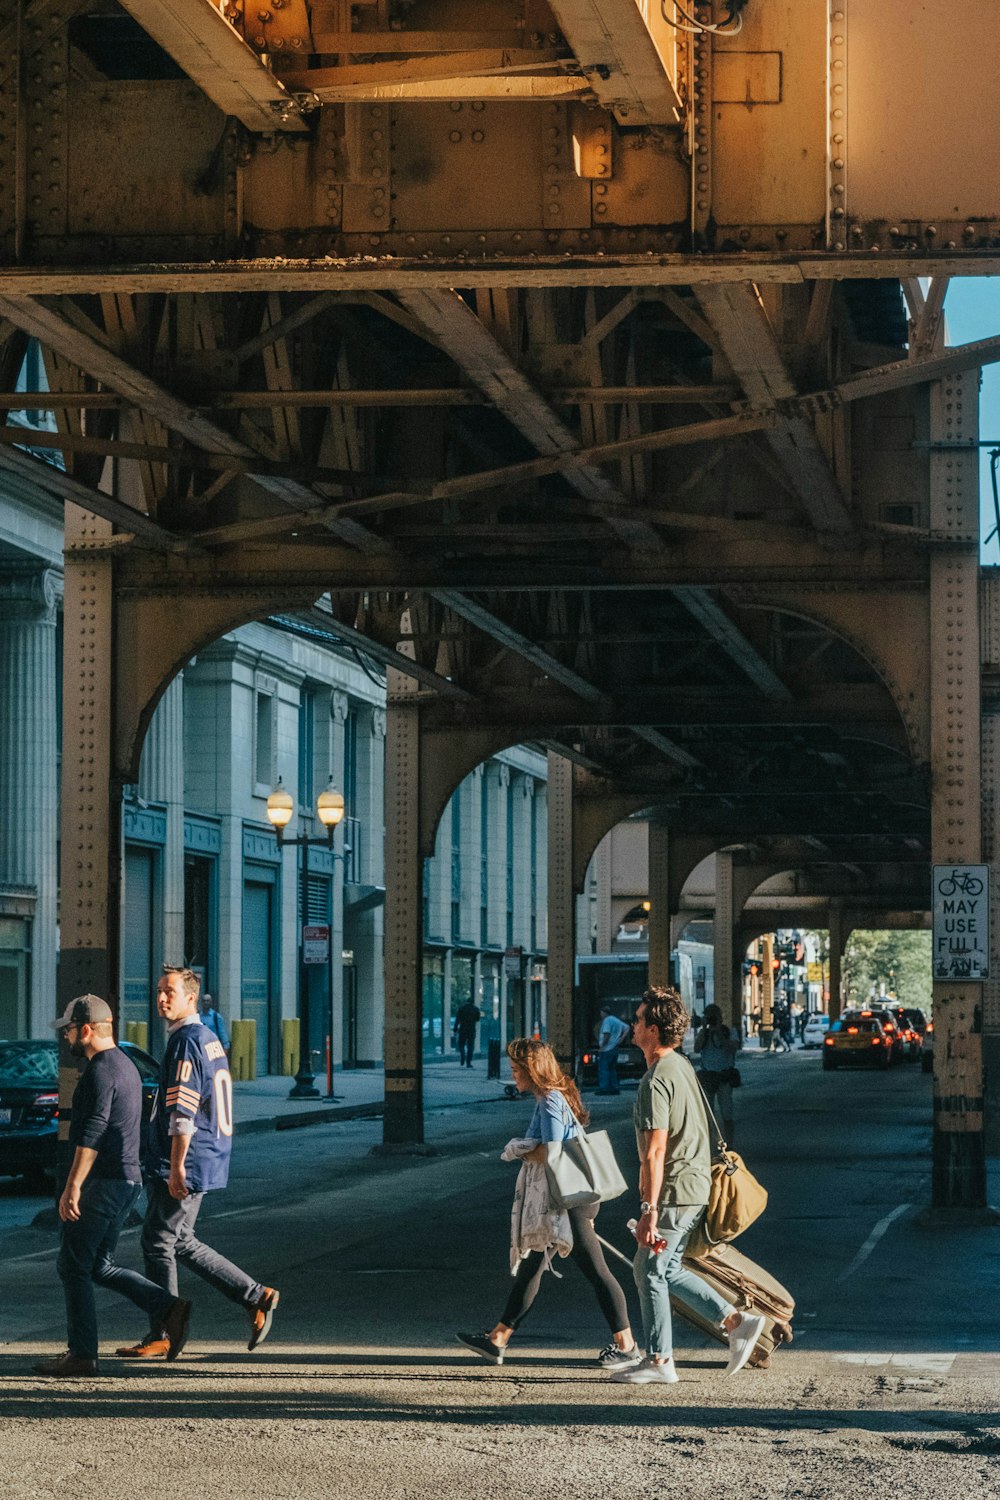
[(961, 933), (315, 945), (814, 974), (513, 963)]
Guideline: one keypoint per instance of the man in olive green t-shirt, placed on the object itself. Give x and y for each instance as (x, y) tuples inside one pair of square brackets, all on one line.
[(675, 1161)]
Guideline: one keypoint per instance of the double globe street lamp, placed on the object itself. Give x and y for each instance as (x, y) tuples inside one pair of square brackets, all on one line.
[(330, 811)]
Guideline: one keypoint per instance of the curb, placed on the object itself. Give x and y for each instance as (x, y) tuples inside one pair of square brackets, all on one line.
[(370, 1111)]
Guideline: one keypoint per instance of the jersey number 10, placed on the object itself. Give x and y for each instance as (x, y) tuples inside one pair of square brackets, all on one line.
[(224, 1101)]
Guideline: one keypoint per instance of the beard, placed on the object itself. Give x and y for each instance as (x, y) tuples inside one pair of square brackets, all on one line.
[(77, 1049)]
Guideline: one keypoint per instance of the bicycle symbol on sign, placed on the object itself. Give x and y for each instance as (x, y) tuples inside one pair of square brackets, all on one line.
[(957, 883)]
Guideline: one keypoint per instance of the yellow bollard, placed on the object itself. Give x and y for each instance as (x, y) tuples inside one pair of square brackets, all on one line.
[(251, 1045), (243, 1062), (290, 1047), (137, 1032), (236, 1050)]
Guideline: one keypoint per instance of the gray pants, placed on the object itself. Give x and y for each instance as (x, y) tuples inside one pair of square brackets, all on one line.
[(168, 1237)]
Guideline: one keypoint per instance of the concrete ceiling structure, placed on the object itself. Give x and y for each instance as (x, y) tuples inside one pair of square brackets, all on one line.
[(589, 367)]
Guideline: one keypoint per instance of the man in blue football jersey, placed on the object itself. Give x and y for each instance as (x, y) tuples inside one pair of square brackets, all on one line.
[(190, 1139)]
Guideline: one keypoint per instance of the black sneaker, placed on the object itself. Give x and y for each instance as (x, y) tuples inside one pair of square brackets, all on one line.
[(613, 1358), (483, 1345)]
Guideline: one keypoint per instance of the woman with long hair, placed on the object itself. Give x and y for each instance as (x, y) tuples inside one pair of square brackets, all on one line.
[(558, 1115)]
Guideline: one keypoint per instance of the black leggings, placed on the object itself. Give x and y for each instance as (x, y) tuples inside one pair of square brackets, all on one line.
[(589, 1256)]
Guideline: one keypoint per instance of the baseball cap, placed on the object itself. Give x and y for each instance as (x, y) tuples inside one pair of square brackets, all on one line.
[(85, 1009)]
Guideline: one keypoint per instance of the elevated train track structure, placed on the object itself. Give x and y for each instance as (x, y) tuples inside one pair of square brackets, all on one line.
[(585, 362)]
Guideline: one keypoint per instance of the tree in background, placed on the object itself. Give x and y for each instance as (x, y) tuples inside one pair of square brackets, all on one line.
[(899, 960)]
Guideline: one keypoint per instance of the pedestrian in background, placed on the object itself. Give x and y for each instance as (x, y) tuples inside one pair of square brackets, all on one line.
[(103, 1185), (467, 1018), (611, 1033), (779, 1026), (190, 1140), (537, 1231), (214, 1020), (675, 1156), (717, 1047)]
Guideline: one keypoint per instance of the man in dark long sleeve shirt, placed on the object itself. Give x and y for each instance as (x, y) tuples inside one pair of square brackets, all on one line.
[(103, 1184)]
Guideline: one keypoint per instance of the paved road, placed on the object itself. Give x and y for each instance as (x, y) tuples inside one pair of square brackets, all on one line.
[(891, 1382)]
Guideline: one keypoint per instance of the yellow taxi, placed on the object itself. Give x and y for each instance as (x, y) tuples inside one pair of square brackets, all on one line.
[(858, 1039)]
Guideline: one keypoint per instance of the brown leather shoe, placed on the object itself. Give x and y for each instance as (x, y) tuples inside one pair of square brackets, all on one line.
[(175, 1326), (66, 1364), (261, 1314), (145, 1349)]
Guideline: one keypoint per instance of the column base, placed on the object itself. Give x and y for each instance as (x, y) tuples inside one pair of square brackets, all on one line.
[(958, 1218), (404, 1148)]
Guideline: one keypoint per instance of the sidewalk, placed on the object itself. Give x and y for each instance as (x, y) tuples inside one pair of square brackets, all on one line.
[(263, 1104)]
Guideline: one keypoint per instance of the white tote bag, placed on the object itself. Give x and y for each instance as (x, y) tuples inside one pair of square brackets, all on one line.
[(583, 1170)]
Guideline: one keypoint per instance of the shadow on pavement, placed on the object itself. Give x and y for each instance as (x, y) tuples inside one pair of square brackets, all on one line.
[(96, 1400)]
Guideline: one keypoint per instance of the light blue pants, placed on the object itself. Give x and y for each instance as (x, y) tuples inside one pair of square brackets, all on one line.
[(656, 1276)]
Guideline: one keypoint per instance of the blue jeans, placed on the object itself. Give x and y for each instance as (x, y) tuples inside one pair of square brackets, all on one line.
[(168, 1237), (607, 1071), (656, 1276), (86, 1255)]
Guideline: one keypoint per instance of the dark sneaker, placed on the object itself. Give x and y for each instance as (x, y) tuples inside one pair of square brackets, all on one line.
[(175, 1326), (147, 1348), (613, 1358), (66, 1364), (483, 1345), (262, 1315)]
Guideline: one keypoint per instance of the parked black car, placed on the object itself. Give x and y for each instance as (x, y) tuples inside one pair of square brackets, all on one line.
[(29, 1103)]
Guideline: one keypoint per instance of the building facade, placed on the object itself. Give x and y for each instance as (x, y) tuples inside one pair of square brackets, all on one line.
[(205, 879)]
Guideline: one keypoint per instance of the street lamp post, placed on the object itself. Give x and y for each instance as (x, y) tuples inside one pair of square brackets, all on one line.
[(330, 811)]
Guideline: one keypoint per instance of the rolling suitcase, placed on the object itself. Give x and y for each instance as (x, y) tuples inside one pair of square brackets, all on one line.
[(748, 1287)]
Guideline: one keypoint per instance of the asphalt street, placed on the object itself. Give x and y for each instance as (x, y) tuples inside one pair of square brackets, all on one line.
[(891, 1383)]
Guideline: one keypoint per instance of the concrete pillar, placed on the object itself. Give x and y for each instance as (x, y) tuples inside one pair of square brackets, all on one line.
[(562, 906), (333, 1006), (448, 979), (723, 935), (28, 776), (838, 942), (496, 780), (403, 1121), (659, 904), (603, 864), (161, 779), (958, 1179)]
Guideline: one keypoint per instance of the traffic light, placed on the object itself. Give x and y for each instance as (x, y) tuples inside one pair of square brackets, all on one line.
[(752, 967)]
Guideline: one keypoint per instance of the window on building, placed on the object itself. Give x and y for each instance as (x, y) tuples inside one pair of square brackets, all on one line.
[(533, 843), (510, 868), (307, 749), (350, 787), (456, 867), (198, 922), (263, 756), (484, 871)]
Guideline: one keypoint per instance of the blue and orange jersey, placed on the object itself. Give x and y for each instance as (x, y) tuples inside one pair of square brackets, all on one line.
[(195, 1084)]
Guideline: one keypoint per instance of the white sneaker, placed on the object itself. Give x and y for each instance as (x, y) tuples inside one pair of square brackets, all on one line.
[(648, 1373), (742, 1340)]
